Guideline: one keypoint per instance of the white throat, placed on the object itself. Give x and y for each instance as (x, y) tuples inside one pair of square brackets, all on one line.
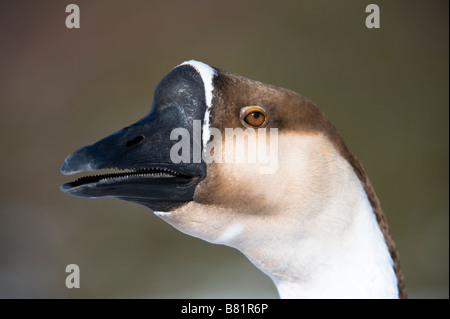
[(310, 227), (355, 264)]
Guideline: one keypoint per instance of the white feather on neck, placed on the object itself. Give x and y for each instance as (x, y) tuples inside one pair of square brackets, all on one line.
[(311, 230), (356, 264)]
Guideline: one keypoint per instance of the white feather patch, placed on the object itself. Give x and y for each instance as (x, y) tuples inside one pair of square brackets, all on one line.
[(161, 214), (207, 74)]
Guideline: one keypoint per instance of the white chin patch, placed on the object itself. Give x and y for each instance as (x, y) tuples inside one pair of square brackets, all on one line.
[(162, 214), (230, 233), (207, 74)]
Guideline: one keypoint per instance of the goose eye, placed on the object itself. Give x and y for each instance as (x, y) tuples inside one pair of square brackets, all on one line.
[(253, 116)]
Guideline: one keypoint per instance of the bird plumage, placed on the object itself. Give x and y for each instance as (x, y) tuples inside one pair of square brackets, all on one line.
[(314, 225)]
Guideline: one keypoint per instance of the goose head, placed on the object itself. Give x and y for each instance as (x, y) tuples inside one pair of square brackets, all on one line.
[(256, 167)]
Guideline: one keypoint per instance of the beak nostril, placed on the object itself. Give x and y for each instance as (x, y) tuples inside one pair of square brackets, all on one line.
[(135, 141)]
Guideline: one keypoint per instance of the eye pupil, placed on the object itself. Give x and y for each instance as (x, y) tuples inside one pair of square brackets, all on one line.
[(255, 118)]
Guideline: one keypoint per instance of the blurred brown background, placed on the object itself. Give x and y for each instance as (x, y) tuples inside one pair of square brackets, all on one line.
[(386, 90)]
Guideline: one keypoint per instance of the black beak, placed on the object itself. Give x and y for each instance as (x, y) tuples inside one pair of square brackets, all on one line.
[(142, 152)]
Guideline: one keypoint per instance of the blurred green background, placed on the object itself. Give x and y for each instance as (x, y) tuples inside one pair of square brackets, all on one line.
[(386, 90)]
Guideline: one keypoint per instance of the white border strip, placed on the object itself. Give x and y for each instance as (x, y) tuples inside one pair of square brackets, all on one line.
[(207, 74)]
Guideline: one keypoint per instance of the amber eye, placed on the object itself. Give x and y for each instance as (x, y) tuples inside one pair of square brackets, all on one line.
[(253, 116)]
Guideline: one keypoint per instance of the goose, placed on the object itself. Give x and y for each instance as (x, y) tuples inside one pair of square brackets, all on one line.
[(311, 220)]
